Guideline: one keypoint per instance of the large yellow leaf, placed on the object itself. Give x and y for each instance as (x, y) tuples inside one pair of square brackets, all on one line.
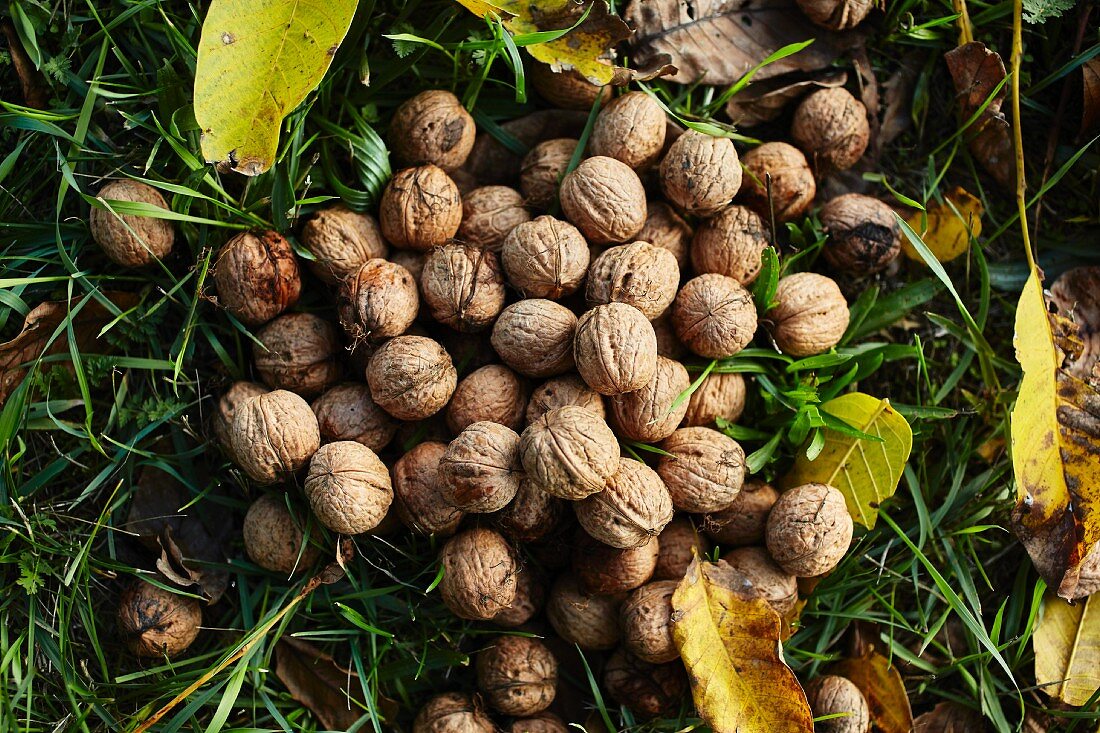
[(866, 472), (881, 684), (258, 59), (1067, 650), (947, 228), (730, 646), (1055, 447)]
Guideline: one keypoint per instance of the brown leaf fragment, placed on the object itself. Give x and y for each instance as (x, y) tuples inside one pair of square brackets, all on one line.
[(33, 84), (990, 142), (764, 101), (331, 692), (1076, 293), (1090, 96), (976, 72), (949, 717)]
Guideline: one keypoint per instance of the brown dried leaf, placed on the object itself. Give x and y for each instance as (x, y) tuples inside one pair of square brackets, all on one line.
[(976, 72), (896, 117), (318, 682), (764, 101), (1090, 95), (1076, 292), (949, 717), (881, 684)]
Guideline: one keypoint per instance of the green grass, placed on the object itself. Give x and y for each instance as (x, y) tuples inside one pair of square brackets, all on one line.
[(951, 594)]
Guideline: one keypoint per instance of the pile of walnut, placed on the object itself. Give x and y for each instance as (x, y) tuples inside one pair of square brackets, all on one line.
[(485, 355)]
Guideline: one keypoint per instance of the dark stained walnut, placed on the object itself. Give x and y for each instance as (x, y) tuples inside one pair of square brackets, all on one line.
[(256, 276)]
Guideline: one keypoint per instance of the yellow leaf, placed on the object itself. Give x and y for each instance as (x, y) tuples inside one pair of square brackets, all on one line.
[(1067, 650), (731, 649), (866, 472), (257, 61), (1055, 447), (947, 228), (881, 684)]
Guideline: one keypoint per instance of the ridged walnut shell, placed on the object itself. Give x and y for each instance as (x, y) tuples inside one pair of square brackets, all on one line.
[(542, 170), (131, 240), (668, 345), (348, 487), (565, 89), (535, 337), (273, 537), (452, 712), (411, 377), (517, 675), (831, 127), (273, 435), (704, 471), (432, 127), (418, 492), (541, 723), (256, 276), (809, 530), (630, 129), (792, 182), (489, 214), (680, 542), (607, 570), (298, 352), (714, 316), (666, 229), (463, 286), (157, 623), (531, 515), (341, 240), (589, 621), (605, 199), (529, 601), (719, 396), (864, 235), (558, 392), (348, 412), (700, 174), (639, 274), (833, 695), (836, 15), (810, 314), (222, 419), (480, 470), (615, 349), (494, 393), (633, 507), (646, 618), (730, 243), (743, 522), (752, 572), (569, 453), (421, 208), (479, 574), (378, 301), (545, 258), (650, 690), (646, 414)]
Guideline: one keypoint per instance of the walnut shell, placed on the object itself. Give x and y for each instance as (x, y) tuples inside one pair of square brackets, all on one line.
[(545, 258), (864, 235), (605, 199), (810, 314), (378, 301), (348, 412), (131, 240), (421, 208), (493, 162), (517, 675), (615, 349), (700, 174), (792, 182), (638, 274), (714, 316), (752, 571), (566, 89), (531, 515), (342, 240), (634, 506), (489, 214), (730, 243), (668, 345), (535, 337), (273, 537), (222, 419), (680, 542), (809, 530), (411, 261), (157, 623), (256, 275), (541, 723), (298, 352), (273, 435), (836, 15), (463, 286), (631, 129), (646, 618), (432, 127), (833, 695), (494, 393), (705, 470), (529, 601), (479, 574), (569, 452), (542, 170), (665, 228), (411, 377), (418, 492), (743, 522), (348, 487), (561, 391), (650, 690), (831, 127), (719, 396), (591, 622), (452, 712), (647, 414), (480, 470), (607, 570)]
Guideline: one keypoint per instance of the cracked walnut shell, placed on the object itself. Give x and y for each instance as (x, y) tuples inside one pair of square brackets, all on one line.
[(809, 530), (348, 487), (569, 453), (432, 127), (131, 240), (714, 316), (638, 274), (462, 286), (535, 337), (256, 276), (411, 377), (480, 469), (273, 435), (517, 675), (810, 314), (615, 349), (421, 208), (341, 240), (479, 574), (700, 173), (630, 129), (605, 199), (298, 352), (545, 258), (157, 623), (633, 507), (377, 301)]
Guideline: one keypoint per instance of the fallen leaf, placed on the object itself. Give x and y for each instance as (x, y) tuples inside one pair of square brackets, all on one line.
[(976, 72), (881, 683), (1055, 429), (257, 61), (897, 115), (1090, 95), (36, 94), (764, 101), (731, 648), (717, 41), (866, 472), (868, 94), (949, 717), (1076, 292), (947, 227), (314, 679), (1067, 650)]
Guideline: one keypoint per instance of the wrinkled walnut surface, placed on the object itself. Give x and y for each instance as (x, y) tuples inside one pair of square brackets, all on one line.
[(535, 337), (569, 452), (633, 507), (638, 274), (421, 208), (341, 240), (128, 239), (809, 530), (605, 199), (700, 174), (256, 276), (479, 574), (273, 435), (714, 316), (348, 487), (615, 349)]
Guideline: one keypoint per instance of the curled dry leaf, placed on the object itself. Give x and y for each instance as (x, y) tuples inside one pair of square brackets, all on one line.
[(1067, 650), (882, 686), (318, 682), (764, 101), (947, 227), (976, 72), (949, 717)]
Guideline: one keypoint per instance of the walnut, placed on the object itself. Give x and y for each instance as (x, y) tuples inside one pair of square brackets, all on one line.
[(535, 337), (833, 695), (831, 127), (864, 235), (378, 301), (809, 530), (222, 419), (418, 492), (341, 240), (489, 214), (517, 675), (452, 712), (493, 162), (494, 393), (743, 522), (714, 316), (545, 258), (463, 286), (348, 487), (157, 623), (131, 240), (615, 349), (432, 127), (665, 228), (543, 722), (257, 278), (411, 377), (348, 412), (638, 274), (704, 471), (650, 690), (668, 345), (751, 571), (836, 15), (569, 452), (542, 170), (561, 391), (680, 542), (421, 208), (634, 506), (700, 174), (646, 618), (604, 199), (730, 243), (591, 622), (607, 570), (532, 514), (810, 315), (631, 129), (566, 89), (720, 395), (647, 414), (529, 600), (480, 470), (792, 182), (479, 574), (273, 537), (411, 261), (297, 352), (273, 435)]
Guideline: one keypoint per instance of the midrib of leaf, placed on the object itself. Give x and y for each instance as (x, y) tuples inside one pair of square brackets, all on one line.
[(278, 55), (856, 443)]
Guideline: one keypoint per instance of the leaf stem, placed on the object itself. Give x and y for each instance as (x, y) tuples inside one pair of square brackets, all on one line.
[(1017, 128)]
